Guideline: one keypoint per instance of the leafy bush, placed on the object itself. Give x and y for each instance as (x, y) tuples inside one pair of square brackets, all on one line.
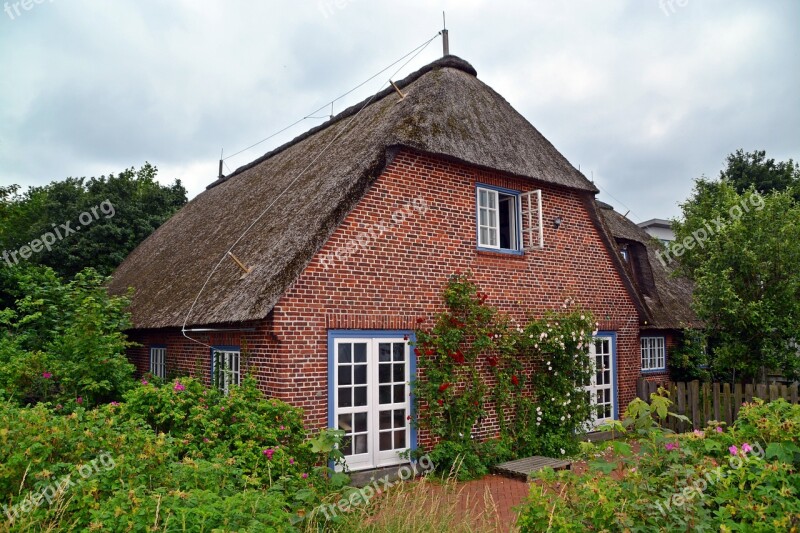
[(738, 479), (236, 462), (63, 342)]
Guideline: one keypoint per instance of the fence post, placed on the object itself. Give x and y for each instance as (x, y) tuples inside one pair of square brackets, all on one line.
[(681, 393), (715, 386), (774, 393), (748, 392), (641, 389), (761, 392), (726, 403), (793, 393), (694, 392), (706, 403), (737, 400)]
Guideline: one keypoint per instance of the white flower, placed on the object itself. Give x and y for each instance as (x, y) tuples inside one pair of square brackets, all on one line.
[(562, 419), (563, 451), (555, 373), (583, 317), (538, 418), (530, 336), (552, 399), (543, 336), (538, 423), (567, 395), (569, 416)]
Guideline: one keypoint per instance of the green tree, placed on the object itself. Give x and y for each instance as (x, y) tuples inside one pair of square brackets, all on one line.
[(121, 210), (744, 248), (753, 169)]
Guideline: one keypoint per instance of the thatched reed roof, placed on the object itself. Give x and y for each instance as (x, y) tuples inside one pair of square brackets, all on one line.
[(668, 298), (447, 112)]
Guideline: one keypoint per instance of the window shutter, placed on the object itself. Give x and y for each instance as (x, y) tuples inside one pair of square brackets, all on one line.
[(532, 229)]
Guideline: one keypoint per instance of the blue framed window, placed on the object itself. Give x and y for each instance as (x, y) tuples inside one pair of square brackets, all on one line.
[(226, 367), (498, 219), (370, 374), (654, 354)]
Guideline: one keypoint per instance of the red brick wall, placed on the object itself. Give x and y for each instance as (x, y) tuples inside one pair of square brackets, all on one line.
[(397, 274)]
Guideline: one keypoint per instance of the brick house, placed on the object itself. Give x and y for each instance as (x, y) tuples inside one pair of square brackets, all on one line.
[(348, 234), (666, 298)]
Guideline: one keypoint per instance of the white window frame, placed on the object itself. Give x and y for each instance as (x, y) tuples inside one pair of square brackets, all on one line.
[(610, 386), (158, 361), (374, 458), (488, 218), (653, 353), (232, 373)]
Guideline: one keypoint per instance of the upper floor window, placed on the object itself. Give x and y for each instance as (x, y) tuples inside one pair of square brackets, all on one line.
[(654, 353), (158, 361), (498, 219)]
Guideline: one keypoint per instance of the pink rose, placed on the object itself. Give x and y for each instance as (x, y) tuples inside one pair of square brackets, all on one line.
[(746, 448), (734, 450)]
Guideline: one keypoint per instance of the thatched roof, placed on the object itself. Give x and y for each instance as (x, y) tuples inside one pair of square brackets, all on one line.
[(447, 112), (668, 298)]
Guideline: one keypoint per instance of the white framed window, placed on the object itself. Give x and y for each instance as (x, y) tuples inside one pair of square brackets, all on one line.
[(498, 219), (601, 389), (370, 398), (226, 368), (158, 361), (654, 353)]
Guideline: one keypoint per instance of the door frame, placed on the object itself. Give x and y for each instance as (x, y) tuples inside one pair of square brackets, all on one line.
[(371, 334), (614, 379)]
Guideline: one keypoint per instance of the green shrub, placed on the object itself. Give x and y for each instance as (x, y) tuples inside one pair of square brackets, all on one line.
[(63, 342), (738, 479)]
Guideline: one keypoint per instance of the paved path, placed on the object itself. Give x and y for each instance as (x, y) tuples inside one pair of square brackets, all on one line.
[(506, 493)]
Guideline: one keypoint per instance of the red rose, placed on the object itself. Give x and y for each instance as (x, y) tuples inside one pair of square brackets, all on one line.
[(441, 402), (443, 387), (416, 352), (515, 380), (492, 361), (458, 357), (420, 320), (429, 351)]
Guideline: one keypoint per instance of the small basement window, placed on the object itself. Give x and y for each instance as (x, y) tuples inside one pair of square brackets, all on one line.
[(498, 219)]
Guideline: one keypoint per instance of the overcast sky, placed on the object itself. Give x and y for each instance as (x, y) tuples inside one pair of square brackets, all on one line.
[(644, 95)]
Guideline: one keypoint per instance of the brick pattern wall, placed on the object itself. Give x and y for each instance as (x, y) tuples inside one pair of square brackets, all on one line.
[(387, 264)]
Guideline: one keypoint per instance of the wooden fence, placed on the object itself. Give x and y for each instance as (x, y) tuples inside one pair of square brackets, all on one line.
[(704, 402)]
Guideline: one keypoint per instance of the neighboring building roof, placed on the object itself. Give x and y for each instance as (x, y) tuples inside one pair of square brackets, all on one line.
[(447, 112), (668, 298), (655, 223)]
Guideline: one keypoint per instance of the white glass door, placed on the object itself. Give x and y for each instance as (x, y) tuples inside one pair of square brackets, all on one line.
[(601, 384), (371, 400)]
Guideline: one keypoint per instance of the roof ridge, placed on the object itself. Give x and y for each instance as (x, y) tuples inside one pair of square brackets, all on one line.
[(449, 61)]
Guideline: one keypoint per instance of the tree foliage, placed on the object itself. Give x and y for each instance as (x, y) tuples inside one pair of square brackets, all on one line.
[(754, 169), (745, 248), (135, 206), (63, 342)]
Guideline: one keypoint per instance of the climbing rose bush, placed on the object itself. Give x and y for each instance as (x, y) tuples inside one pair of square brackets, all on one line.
[(477, 362)]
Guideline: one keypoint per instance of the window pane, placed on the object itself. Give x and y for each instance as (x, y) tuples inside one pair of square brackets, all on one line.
[(360, 353), (345, 375), (346, 423), (386, 441), (385, 394), (400, 439), (384, 352), (399, 418), (399, 372), (399, 393), (360, 396), (385, 420), (361, 422), (345, 397), (360, 374), (385, 374), (399, 351), (360, 444), (344, 353)]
